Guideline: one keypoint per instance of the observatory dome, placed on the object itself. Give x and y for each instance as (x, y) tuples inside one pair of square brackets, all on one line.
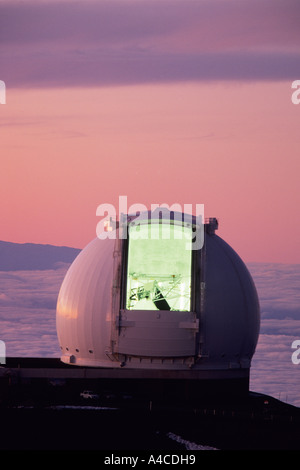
[(153, 302)]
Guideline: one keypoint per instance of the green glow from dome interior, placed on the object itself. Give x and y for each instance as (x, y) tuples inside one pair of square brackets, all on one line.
[(159, 267)]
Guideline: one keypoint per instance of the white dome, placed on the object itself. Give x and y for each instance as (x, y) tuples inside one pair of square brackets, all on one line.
[(208, 317), (83, 317)]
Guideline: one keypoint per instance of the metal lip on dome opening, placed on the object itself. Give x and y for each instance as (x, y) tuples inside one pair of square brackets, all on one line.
[(163, 215)]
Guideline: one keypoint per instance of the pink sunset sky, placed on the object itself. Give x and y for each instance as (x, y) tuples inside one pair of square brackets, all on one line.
[(169, 101)]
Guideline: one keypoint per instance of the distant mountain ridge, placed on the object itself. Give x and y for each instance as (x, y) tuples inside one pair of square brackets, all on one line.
[(32, 256)]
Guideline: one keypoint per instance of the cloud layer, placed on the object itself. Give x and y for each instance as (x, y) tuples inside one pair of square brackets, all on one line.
[(127, 42), (273, 371), (27, 311)]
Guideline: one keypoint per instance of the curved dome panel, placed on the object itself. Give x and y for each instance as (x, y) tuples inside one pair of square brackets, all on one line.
[(83, 316), (231, 315)]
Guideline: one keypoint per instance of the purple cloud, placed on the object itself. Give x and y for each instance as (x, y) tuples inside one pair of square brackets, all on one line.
[(126, 42)]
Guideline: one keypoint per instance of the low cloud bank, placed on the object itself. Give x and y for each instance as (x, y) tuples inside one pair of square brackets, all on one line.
[(273, 371)]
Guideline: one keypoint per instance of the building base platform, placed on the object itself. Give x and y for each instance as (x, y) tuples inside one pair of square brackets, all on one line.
[(44, 406)]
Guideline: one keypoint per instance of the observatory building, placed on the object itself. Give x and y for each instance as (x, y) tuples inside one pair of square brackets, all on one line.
[(146, 303)]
